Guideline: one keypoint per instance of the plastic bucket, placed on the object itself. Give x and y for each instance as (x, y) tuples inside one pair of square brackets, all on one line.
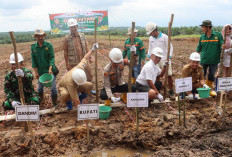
[(203, 92), (104, 112), (46, 79)]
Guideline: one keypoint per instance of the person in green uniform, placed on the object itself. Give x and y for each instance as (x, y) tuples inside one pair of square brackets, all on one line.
[(43, 61), (140, 54), (210, 45), (11, 87)]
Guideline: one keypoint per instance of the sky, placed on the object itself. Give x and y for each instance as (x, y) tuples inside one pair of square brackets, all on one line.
[(27, 15)]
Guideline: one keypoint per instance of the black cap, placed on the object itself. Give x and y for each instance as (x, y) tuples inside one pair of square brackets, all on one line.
[(206, 23)]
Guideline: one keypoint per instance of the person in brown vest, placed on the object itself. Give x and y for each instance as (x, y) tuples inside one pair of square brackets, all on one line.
[(75, 47)]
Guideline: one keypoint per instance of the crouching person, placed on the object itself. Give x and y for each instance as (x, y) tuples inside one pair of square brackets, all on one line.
[(11, 87), (113, 81), (147, 80), (195, 70), (74, 86)]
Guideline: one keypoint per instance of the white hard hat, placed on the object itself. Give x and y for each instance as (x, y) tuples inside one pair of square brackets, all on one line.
[(79, 76), (130, 30), (150, 26), (72, 22), (12, 58), (116, 55), (157, 52), (195, 56)]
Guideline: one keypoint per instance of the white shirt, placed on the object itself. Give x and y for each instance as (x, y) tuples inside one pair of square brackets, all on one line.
[(162, 42), (227, 56), (149, 72)]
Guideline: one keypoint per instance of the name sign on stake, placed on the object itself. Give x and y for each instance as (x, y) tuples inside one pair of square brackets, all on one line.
[(88, 111), (183, 84), (224, 84), (137, 99), (27, 113)]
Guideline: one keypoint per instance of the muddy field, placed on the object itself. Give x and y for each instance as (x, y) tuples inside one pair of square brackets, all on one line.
[(206, 133)]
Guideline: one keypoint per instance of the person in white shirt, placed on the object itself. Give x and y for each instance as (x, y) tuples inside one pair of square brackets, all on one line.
[(147, 79), (159, 39)]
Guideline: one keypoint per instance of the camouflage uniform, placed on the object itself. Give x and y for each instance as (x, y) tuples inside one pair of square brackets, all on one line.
[(11, 89)]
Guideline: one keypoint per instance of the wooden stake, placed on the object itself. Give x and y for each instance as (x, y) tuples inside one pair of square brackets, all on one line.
[(221, 68), (168, 54), (184, 116), (110, 38), (132, 37), (179, 109), (137, 121), (87, 126), (96, 65), (20, 83)]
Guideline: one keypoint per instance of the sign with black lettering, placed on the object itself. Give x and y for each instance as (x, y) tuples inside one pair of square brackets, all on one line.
[(88, 111), (183, 84), (137, 99), (224, 83), (27, 113)]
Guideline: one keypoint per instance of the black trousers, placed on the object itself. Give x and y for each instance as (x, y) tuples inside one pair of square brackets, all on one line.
[(118, 89)]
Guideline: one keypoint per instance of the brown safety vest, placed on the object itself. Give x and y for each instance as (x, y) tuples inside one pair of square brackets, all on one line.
[(73, 59)]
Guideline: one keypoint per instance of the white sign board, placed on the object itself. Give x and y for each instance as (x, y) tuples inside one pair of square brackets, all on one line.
[(137, 99), (88, 111), (183, 84), (224, 84), (27, 113)]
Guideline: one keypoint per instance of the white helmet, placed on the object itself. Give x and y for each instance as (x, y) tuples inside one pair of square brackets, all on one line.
[(72, 22), (158, 52), (150, 26), (195, 56), (12, 58), (116, 55), (79, 76)]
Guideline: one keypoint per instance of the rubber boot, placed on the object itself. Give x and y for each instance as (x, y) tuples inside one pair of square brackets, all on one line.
[(124, 97), (107, 102), (54, 100), (210, 84), (133, 80), (41, 95), (172, 95), (69, 105)]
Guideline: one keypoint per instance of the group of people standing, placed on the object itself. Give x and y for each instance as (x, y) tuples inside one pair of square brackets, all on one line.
[(75, 85)]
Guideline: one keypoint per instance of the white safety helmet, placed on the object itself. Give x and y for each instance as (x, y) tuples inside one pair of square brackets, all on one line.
[(116, 55), (12, 58), (150, 26), (157, 52), (195, 56), (79, 76), (72, 22)]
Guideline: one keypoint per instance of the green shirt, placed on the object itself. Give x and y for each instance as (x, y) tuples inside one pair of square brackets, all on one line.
[(11, 87), (210, 48), (42, 57), (140, 50)]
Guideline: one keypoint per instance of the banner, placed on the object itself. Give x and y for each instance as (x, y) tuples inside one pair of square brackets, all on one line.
[(85, 21)]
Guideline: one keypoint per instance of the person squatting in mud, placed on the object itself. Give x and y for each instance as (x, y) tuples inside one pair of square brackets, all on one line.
[(195, 70), (11, 87), (147, 80), (74, 87), (75, 47), (113, 80)]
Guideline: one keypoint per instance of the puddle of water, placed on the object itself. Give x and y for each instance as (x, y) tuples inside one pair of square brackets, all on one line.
[(120, 152)]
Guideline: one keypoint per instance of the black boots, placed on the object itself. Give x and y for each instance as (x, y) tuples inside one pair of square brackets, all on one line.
[(54, 100)]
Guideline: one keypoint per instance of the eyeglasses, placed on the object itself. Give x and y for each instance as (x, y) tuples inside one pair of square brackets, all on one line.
[(229, 28)]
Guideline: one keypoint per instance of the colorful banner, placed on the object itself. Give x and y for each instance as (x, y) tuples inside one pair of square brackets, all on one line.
[(85, 21)]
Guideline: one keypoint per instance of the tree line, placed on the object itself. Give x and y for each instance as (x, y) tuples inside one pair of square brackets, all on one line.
[(116, 31)]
